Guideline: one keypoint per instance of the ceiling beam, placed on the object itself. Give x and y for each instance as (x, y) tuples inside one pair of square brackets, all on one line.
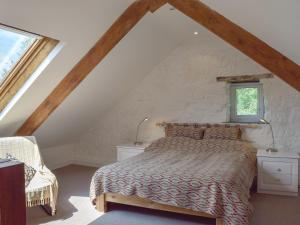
[(242, 40), (156, 4), (129, 18)]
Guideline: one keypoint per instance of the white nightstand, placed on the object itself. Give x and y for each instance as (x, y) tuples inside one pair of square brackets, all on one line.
[(277, 172), (128, 150)]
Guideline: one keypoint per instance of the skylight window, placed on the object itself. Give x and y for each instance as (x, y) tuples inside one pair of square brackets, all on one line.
[(13, 46), (21, 54)]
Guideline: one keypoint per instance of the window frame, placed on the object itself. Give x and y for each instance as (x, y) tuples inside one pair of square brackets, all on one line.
[(234, 118), (25, 67), (24, 59), (25, 56)]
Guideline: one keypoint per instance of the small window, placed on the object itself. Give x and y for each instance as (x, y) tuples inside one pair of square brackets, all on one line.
[(246, 102)]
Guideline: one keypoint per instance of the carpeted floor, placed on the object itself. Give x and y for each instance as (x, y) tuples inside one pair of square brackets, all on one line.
[(74, 207)]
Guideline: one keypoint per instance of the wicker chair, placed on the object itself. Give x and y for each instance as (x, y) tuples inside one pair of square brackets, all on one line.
[(42, 189)]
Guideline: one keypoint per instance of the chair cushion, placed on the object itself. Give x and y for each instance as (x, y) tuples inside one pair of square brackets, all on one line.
[(28, 170)]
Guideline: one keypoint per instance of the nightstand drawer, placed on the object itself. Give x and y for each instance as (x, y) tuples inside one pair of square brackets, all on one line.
[(278, 179), (277, 167), (129, 150), (277, 182)]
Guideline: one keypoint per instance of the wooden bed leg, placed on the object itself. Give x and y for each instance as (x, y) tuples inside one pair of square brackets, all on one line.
[(101, 204), (219, 221)]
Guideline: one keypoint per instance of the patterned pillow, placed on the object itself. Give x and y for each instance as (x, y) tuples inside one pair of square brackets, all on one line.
[(225, 133), (29, 171), (185, 131)]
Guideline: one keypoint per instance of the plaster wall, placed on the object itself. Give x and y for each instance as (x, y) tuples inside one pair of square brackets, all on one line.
[(58, 156)]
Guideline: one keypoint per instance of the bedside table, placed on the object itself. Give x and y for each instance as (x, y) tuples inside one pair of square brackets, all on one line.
[(277, 173), (129, 150)]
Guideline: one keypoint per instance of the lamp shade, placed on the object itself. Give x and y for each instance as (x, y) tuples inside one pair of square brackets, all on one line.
[(264, 121)]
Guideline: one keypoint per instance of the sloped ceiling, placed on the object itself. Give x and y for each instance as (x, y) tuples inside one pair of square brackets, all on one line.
[(80, 23)]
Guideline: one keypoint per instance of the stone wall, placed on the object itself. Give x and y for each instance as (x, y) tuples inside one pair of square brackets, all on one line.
[(183, 88)]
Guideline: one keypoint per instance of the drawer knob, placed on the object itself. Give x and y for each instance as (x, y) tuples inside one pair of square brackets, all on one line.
[(279, 170)]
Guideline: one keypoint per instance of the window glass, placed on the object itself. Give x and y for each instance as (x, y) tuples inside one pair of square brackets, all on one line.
[(246, 102), (13, 46)]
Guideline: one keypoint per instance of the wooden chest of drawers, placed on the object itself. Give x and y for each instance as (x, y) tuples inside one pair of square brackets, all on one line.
[(12, 194)]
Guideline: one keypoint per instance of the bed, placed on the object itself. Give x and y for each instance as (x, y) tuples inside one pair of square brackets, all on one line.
[(205, 177)]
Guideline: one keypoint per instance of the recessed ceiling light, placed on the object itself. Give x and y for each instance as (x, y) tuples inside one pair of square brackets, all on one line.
[(196, 32)]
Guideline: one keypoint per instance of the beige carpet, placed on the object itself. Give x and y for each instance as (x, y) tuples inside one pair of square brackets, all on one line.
[(74, 207)]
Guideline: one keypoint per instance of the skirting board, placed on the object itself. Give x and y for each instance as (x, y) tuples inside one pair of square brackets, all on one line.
[(86, 163), (59, 165), (89, 163), (72, 162)]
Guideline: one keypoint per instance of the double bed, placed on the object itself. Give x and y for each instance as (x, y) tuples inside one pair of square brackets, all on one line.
[(208, 177)]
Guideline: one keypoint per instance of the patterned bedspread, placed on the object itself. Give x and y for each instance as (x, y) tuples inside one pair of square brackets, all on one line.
[(212, 176)]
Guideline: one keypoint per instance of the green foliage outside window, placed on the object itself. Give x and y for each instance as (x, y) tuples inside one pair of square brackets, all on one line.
[(246, 101)]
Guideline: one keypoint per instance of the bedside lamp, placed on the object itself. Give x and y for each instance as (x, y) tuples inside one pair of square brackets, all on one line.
[(137, 132), (273, 149)]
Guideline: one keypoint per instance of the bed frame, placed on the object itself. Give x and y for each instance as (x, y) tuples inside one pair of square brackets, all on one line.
[(102, 200)]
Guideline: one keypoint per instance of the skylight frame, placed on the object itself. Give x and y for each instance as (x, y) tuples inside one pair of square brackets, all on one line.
[(23, 60), (26, 66), (34, 37)]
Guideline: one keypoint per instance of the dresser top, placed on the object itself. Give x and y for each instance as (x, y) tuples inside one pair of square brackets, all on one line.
[(9, 163), (279, 154), (133, 146)]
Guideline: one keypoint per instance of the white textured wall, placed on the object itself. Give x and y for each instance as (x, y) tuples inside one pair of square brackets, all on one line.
[(58, 156), (183, 88)]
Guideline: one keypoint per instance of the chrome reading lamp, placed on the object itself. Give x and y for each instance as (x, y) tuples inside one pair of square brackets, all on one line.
[(273, 149), (137, 132)]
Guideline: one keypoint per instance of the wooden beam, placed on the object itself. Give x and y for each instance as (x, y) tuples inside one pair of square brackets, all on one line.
[(245, 78), (156, 4), (130, 17), (241, 39)]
